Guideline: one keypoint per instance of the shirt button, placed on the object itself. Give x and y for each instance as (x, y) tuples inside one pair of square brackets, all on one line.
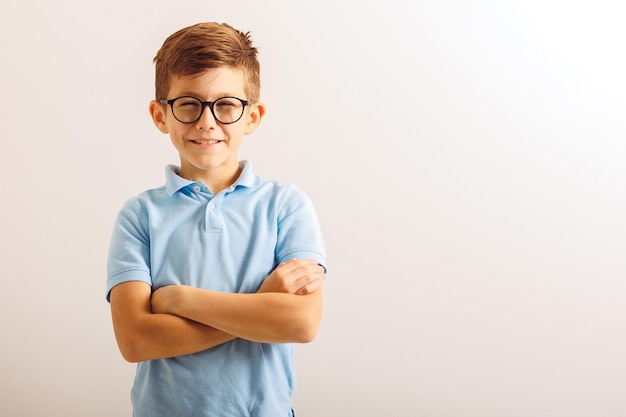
[(196, 188), (211, 206)]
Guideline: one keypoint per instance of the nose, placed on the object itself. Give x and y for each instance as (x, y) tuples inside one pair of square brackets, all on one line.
[(206, 120)]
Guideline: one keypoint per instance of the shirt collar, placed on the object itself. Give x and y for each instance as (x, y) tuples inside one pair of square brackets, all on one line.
[(174, 182)]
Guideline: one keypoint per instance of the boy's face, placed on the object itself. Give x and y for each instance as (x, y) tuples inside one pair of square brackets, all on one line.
[(208, 148)]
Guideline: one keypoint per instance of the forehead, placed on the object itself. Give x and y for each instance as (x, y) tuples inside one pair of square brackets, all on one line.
[(211, 84)]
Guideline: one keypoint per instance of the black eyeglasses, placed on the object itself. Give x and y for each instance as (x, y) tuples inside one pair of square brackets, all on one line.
[(188, 109)]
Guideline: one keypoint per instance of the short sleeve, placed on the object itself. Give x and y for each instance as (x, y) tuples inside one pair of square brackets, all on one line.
[(129, 248), (299, 232)]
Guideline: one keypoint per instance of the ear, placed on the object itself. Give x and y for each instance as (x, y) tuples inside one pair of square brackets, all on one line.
[(158, 113), (256, 113)]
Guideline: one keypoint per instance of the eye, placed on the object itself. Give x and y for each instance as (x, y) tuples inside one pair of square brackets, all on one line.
[(188, 103), (227, 102)]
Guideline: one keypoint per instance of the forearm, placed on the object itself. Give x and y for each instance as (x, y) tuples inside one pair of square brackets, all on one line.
[(142, 335), (261, 317), (164, 336)]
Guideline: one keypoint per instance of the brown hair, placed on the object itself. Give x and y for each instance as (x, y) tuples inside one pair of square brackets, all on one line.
[(195, 49)]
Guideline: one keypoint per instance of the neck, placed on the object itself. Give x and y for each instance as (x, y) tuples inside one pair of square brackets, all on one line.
[(215, 180)]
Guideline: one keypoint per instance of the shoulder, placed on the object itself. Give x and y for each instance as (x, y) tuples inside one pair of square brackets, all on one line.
[(270, 192), (281, 193), (146, 198), (138, 208), (255, 183)]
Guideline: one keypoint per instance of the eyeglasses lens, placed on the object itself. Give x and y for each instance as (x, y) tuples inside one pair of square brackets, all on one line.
[(225, 110)]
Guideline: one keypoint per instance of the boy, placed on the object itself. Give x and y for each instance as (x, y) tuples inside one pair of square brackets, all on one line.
[(214, 275)]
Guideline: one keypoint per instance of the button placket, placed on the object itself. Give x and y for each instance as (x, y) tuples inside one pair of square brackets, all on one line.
[(213, 221)]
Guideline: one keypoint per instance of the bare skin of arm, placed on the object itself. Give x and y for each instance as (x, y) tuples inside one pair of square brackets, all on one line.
[(276, 314), (142, 335), (145, 334)]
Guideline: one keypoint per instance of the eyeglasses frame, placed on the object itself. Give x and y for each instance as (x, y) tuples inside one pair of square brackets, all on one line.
[(205, 104)]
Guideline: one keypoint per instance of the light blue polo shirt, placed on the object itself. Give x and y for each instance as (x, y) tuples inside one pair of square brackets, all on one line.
[(182, 234)]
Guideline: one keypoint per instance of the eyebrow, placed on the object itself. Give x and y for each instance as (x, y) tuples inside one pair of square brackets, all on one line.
[(220, 95)]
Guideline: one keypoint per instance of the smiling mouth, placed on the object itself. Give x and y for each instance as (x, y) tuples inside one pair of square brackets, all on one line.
[(206, 142)]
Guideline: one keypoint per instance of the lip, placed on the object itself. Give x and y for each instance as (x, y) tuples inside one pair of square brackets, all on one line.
[(206, 142)]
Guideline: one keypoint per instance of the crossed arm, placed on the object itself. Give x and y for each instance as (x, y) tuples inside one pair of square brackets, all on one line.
[(180, 320)]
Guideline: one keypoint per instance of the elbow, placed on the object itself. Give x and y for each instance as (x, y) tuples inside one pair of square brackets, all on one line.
[(307, 328), (308, 319), (131, 350), (130, 355), (306, 335)]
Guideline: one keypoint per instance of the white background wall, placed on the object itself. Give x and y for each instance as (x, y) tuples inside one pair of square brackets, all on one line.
[(466, 159)]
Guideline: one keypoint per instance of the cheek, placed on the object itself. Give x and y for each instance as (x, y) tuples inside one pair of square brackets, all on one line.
[(237, 136), (178, 131)]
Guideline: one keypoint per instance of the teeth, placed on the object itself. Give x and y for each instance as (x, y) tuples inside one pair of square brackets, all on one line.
[(207, 142)]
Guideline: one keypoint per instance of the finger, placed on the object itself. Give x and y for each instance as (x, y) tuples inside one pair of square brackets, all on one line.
[(297, 273), (296, 268), (310, 288), (315, 269), (312, 278)]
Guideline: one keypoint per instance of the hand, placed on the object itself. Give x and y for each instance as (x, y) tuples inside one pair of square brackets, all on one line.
[(298, 276)]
